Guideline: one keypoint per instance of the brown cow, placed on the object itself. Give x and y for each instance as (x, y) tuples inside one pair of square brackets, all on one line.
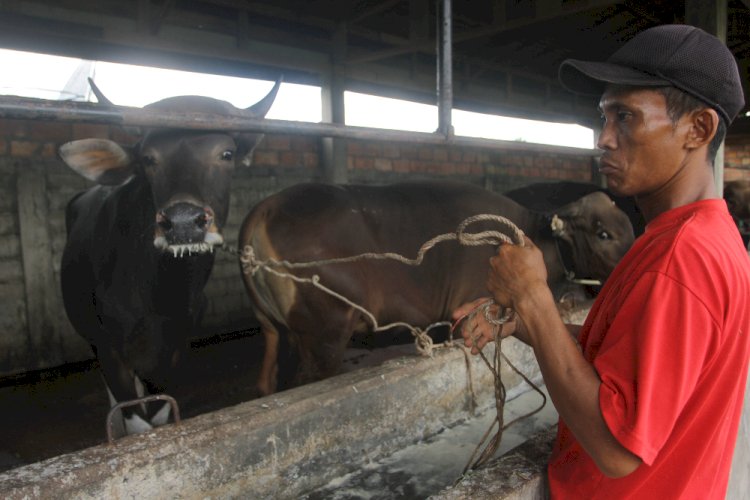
[(309, 222)]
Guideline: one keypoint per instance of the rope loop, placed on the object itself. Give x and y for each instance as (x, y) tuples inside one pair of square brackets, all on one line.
[(488, 237)]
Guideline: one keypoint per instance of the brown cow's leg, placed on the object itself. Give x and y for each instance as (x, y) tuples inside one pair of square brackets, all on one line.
[(322, 354), (267, 379)]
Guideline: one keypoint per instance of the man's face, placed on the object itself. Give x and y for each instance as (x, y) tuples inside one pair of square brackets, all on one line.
[(642, 153)]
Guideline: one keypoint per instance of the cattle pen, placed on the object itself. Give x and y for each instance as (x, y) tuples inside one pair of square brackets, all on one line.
[(336, 435)]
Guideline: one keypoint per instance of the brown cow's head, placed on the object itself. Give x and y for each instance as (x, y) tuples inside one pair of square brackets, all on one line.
[(189, 171), (593, 235)]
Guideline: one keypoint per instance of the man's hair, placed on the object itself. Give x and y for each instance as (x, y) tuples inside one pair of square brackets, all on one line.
[(680, 103)]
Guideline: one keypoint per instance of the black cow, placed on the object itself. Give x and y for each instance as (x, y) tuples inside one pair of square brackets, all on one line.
[(139, 246), (547, 196), (310, 222)]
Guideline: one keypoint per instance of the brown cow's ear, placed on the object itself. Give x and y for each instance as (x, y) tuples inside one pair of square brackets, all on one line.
[(99, 160)]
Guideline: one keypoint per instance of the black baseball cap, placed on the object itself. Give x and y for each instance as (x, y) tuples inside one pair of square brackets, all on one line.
[(675, 55)]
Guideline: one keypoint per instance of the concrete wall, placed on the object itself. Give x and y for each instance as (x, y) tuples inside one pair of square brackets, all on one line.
[(36, 186), (284, 445)]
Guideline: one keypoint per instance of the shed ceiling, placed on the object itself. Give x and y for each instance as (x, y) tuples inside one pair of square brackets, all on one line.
[(505, 52)]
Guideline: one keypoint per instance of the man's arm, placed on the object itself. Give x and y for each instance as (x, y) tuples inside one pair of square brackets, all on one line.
[(572, 383), (518, 279)]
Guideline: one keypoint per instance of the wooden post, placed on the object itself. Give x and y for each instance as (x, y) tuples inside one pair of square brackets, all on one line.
[(43, 299)]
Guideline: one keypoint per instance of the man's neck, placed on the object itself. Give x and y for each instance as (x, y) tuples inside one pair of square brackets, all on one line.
[(695, 187)]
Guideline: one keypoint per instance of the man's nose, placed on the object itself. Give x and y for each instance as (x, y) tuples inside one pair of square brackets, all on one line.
[(607, 139)]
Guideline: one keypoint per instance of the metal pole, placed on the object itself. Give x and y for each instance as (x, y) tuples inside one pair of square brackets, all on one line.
[(444, 68), (80, 112)]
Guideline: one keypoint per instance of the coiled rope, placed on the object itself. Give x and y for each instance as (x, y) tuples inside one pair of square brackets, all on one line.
[(423, 342)]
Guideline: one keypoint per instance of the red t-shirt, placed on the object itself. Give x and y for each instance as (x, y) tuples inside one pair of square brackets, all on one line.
[(669, 336)]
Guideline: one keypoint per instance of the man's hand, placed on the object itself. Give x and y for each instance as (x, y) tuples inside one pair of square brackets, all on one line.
[(475, 329), (514, 271)]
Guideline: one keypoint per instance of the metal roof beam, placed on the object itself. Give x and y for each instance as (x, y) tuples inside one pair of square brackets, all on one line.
[(547, 10)]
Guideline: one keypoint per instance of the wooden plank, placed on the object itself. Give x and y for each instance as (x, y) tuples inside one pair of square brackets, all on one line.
[(43, 301)]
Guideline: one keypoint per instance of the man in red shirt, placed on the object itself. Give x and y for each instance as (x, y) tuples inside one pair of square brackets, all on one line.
[(650, 402)]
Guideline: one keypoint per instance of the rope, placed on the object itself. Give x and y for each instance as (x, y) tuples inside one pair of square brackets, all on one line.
[(479, 458), (423, 342)]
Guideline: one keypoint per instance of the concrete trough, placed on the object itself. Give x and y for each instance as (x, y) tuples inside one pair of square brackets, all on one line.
[(290, 444)]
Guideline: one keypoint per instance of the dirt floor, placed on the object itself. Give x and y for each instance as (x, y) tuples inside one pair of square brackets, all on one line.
[(51, 412)]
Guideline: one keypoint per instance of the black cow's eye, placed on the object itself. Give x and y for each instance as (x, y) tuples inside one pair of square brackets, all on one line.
[(227, 155), (603, 235)]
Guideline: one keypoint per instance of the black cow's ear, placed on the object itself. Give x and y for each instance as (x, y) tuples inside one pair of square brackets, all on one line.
[(100, 160)]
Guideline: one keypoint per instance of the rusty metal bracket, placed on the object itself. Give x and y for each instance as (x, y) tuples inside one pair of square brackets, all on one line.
[(133, 402)]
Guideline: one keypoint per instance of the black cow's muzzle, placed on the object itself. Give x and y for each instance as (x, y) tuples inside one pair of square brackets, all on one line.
[(185, 227)]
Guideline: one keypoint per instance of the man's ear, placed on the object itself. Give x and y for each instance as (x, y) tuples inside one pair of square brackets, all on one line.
[(703, 126)]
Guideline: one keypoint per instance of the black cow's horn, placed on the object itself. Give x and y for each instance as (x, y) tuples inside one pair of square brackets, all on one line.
[(100, 95), (260, 108)]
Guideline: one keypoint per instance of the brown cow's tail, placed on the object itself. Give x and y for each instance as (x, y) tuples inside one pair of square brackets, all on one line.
[(271, 296)]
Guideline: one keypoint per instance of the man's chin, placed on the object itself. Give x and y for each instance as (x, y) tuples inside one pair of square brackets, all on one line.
[(617, 188)]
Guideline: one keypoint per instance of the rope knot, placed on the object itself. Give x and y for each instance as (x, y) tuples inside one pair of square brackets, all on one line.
[(422, 342), (250, 264)]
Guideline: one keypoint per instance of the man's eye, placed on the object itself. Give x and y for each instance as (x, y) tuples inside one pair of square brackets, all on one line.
[(623, 116)]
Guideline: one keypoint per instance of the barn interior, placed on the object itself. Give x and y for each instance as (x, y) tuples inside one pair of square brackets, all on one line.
[(493, 56)]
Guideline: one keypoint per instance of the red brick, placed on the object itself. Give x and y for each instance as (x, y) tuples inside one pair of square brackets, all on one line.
[(401, 165), (90, 130), (383, 164), (14, 128), (291, 158), (24, 148), (122, 136), (363, 163), (278, 142), (355, 148), (310, 160), (303, 143), (267, 158), (409, 152), (439, 154), (391, 151), (470, 156), (49, 150), (50, 131), (425, 154)]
